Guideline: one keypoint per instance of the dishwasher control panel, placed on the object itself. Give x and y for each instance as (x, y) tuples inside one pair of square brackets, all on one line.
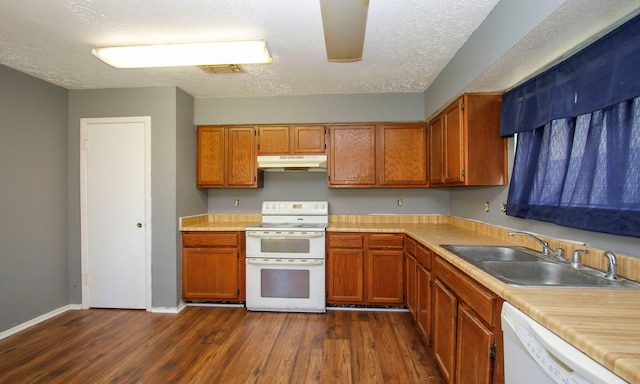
[(547, 361)]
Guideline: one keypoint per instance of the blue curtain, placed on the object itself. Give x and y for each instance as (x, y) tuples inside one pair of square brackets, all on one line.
[(603, 74), (582, 172)]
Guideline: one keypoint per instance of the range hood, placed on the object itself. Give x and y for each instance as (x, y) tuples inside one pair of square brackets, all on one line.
[(293, 163)]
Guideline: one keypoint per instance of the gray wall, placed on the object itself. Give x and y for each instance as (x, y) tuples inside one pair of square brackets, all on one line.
[(313, 186), (310, 109), (33, 198), (189, 199), (162, 105), (505, 25)]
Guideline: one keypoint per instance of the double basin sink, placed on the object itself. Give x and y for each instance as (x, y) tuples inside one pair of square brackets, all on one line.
[(521, 266)]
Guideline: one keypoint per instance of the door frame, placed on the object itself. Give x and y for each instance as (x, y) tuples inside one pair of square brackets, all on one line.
[(84, 234)]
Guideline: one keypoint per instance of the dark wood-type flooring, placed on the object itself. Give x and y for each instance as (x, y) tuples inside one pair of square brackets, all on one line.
[(218, 345)]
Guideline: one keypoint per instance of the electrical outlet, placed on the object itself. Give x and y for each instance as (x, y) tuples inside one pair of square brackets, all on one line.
[(486, 206), (236, 202), (503, 208), (399, 202)]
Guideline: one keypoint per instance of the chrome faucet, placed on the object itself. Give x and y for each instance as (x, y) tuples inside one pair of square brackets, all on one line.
[(612, 266), (576, 261), (546, 249)]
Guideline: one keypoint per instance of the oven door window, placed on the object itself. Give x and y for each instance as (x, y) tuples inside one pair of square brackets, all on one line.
[(285, 283), (284, 245)]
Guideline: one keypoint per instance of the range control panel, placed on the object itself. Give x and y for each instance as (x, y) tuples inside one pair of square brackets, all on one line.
[(307, 208)]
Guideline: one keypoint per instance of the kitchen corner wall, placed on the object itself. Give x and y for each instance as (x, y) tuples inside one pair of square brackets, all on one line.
[(172, 176)]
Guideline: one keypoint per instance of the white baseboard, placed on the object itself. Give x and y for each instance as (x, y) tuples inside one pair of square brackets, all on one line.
[(37, 320), (177, 309)]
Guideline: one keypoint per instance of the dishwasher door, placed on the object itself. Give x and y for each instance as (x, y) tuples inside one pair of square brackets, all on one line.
[(535, 355)]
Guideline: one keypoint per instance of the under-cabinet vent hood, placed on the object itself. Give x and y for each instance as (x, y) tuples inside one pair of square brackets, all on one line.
[(293, 163)]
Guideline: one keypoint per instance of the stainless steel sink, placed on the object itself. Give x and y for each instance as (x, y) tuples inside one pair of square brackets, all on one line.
[(493, 252), (541, 273), (523, 266)]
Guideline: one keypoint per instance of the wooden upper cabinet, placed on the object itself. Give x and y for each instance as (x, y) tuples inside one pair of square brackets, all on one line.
[(352, 155), (308, 139), (436, 152), (291, 140), (403, 155), (241, 157), (226, 157), (210, 157), (454, 171), (386, 155), (465, 147), (273, 140)]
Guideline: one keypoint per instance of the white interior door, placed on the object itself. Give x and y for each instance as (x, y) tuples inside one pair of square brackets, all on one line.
[(115, 217)]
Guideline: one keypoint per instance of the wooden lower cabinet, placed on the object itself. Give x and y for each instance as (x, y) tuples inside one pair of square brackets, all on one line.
[(475, 342), (418, 286), (445, 305), (424, 313), (467, 338), (213, 266), (365, 269), (411, 280), (345, 275)]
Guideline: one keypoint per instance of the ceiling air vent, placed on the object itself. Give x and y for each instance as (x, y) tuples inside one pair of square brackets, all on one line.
[(224, 68)]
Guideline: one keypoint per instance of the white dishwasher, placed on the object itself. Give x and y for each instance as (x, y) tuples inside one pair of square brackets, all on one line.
[(535, 355)]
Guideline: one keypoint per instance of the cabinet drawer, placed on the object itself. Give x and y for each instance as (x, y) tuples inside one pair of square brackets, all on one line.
[(210, 239), (410, 246), (346, 241), (424, 256), (386, 241), (484, 303)]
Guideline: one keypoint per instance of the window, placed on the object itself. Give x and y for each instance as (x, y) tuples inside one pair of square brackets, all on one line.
[(577, 159), (581, 172)]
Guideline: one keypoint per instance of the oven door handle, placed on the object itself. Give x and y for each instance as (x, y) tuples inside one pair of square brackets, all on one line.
[(284, 235), (284, 262)]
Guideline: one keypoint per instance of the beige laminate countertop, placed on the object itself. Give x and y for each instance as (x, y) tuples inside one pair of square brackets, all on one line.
[(603, 323)]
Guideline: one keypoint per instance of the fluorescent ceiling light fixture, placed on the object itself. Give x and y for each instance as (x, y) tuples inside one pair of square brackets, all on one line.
[(344, 23), (179, 55)]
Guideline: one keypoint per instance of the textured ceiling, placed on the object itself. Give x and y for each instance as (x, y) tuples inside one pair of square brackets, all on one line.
[(407, 43)]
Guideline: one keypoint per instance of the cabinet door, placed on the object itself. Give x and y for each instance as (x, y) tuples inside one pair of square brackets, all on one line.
[(473, 349), (411, 290), (403, 155), (345, 275), (454, 145), (241, 157), (444, 329), (308, 139), (273, 140), (423, 315), (210, 273), (352, 156), (210, 157), (385, 271), (436, 152)]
